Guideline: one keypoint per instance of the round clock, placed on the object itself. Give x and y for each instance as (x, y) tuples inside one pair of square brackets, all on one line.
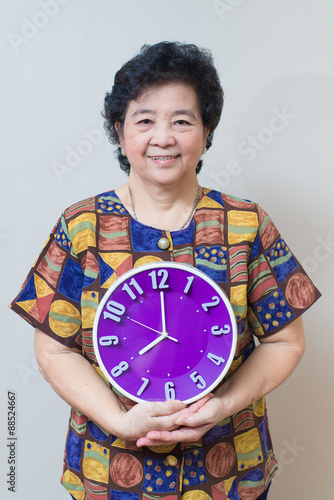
[(164, 331)]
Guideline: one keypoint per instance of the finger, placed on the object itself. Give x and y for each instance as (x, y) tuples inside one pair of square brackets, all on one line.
[(184, 413), (194, 407), (194, 414), (194, 419), (165, 438), (149, 442), (163, 408), (183, 434), (170, 436)]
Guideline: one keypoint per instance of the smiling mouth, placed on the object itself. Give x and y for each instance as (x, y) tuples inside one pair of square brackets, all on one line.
[(163, 157)]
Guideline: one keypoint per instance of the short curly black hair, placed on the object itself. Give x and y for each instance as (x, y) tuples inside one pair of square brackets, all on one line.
[(162, 63)]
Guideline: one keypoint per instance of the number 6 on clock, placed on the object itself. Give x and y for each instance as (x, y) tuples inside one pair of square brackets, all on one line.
[(169, 390)]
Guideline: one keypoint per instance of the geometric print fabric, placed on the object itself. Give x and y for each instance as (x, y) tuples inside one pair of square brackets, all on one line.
[(36, 298), (235, 243)]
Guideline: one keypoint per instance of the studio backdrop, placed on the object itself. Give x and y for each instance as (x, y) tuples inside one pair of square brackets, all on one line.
[(273, 146)]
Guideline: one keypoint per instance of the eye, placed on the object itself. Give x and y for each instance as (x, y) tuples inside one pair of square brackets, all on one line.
[(182, 122), (146, 121)]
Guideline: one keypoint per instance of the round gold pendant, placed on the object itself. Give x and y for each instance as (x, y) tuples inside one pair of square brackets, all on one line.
[(163, 243)]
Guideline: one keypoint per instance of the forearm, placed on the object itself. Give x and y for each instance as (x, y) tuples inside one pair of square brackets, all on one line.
[(269, 365), (75, 380)]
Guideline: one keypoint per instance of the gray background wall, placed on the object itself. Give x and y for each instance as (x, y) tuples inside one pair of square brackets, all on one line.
[(275, 58)]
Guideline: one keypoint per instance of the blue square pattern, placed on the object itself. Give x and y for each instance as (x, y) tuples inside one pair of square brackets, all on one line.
[(145, 238), (73, 451), (281, 260), (273, 311), (184, 236), (109, 203), (194, 469), (159, 477), (212, 261)]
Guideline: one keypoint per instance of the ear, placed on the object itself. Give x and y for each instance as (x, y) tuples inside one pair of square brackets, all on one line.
[(206, 133), (118, 127)]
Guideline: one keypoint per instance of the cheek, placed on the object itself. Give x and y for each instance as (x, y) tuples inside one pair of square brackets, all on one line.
[(133, 143), (195, 146), (138, 147)]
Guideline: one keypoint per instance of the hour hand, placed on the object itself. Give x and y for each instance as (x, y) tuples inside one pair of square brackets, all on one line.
[(152, 344)]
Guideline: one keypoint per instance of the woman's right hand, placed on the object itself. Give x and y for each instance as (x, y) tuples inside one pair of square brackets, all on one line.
[(145, 417)]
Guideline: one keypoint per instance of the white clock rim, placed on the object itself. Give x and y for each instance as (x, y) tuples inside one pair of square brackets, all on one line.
[(164, 264)]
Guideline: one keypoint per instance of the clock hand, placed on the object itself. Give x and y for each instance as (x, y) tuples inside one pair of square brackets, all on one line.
[(152, 344), (153, 330), (163, 317)]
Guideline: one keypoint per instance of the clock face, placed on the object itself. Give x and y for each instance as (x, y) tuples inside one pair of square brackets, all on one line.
[(164, 331)]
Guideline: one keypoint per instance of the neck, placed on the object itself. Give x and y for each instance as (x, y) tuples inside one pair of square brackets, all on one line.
[(163, 207)]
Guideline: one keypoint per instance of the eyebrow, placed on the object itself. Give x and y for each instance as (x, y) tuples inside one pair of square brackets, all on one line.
[(177, 112)]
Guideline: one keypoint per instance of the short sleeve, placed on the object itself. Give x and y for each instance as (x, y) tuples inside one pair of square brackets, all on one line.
[(50, 298), (279, 290)]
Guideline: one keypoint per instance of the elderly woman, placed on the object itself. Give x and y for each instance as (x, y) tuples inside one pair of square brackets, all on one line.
[(162, 112)]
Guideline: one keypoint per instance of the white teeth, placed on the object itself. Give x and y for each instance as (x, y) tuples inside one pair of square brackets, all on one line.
[(162, 157)]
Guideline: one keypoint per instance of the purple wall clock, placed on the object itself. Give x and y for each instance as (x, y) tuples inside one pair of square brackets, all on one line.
[(164, 331)]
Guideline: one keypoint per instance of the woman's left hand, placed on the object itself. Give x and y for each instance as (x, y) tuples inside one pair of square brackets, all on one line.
[(194, 421)]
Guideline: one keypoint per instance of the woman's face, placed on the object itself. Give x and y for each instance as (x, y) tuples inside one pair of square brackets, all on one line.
[(163, 135)]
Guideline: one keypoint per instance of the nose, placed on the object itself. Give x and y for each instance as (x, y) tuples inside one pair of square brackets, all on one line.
[(162, 135)]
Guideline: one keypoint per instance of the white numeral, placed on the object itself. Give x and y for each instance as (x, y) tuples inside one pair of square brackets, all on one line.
[(188, 285), (108, 340), (198, 379), (215, 302), (164, 276), (135, 285), (217, 360), (116, 309), (216, 330), (119, 369), (143, 387), (169, 390)]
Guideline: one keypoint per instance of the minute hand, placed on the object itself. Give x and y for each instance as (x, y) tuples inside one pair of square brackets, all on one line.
[(163, 317), (153, 330)]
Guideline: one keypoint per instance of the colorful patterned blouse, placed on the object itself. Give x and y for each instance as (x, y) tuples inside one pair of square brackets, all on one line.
[(231, 240)]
